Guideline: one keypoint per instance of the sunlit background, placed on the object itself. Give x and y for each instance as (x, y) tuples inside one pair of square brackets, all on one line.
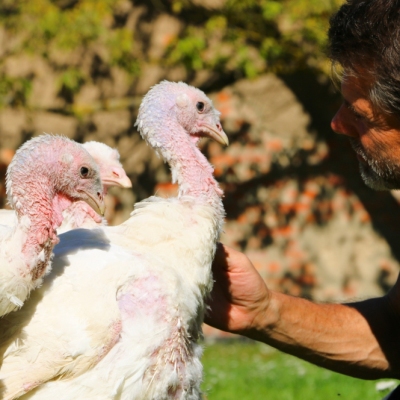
[(293, 196)]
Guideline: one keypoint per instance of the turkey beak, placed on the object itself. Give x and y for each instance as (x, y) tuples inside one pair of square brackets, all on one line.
[(216, 132), (96, 202), (116, 177)]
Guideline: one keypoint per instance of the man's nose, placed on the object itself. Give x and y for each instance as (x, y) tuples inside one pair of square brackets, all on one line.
[(340, 124)]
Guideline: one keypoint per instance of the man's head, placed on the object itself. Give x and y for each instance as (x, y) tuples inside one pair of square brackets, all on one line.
[(365, 41)]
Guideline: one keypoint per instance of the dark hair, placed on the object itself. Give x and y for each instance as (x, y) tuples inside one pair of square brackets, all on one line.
[(364, 38)]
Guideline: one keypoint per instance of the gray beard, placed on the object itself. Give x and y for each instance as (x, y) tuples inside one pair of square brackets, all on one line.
[(378, 174), (373, 180)]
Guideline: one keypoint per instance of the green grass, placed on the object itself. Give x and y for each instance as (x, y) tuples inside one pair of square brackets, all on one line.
[(253, 371)]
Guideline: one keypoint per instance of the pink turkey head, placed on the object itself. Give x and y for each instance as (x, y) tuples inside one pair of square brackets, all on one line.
[(111, 171), (169, 105), (196, 114), (48, 167)]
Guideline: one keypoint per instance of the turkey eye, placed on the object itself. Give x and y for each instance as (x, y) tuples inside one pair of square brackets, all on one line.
[(200, 106), (84, 172)]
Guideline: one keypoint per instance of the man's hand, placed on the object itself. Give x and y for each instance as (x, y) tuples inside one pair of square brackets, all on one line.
[(240, 298), (358, 339)]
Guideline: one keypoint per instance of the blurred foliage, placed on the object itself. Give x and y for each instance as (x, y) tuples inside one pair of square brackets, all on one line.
[(47, 23), (14, 91), (69, 27), (250, 37), (232, 37), (71, 80)]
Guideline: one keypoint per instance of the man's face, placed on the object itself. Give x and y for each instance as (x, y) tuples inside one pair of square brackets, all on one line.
[(374, 136)]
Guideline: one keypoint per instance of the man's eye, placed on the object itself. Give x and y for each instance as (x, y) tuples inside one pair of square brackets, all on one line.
[(357, 115)]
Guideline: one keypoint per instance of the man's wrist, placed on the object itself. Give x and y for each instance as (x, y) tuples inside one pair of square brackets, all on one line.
[(266, 318)]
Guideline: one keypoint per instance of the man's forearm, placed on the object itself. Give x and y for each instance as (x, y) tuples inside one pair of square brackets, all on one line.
[(360, 339)]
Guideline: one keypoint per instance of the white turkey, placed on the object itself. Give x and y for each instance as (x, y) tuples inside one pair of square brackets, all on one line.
[(79, 214), (120, 315), (46, 175)]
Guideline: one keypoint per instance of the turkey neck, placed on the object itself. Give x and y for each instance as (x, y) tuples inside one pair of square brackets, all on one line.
[(192, 171), (39, 212)]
